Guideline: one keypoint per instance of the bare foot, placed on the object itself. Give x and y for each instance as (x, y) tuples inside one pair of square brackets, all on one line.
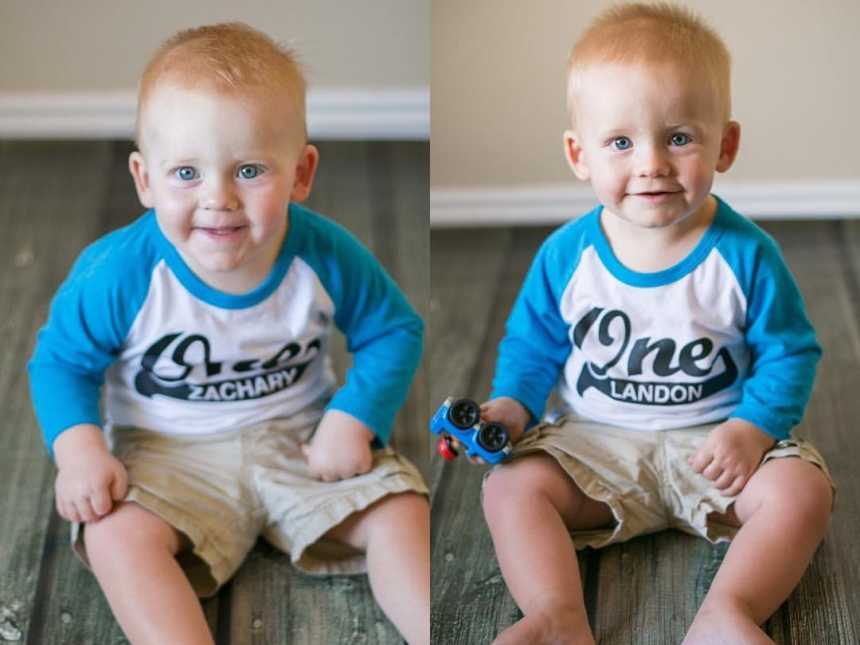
[(724, 624), (554, 626)]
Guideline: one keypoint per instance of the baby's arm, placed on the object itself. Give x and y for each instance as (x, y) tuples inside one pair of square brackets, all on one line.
[(536, 344), (784, 355), (89, 477), (88, 320), (384, 336), (340, 447)]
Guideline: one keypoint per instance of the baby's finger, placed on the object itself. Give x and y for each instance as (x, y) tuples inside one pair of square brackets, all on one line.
[(724, 480), (700, 461), (72, 514), (119, 486), (83, 512), (713, 470), (736, 487), (328, 476), (101, 502), (63, 510), (489, 411)]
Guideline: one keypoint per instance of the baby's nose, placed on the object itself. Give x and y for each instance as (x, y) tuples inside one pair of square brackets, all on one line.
[(651, 161), (220, 195)]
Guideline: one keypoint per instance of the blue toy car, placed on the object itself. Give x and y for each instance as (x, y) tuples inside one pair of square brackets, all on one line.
[(461, 419)]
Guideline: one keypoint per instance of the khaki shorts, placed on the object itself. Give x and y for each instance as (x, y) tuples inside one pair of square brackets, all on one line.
[(644, 477), (224, 490)]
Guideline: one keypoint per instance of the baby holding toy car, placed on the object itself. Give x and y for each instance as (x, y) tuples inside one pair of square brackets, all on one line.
[(208, 319), (677, 341)]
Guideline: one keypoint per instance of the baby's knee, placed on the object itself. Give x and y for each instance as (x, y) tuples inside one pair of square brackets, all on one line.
[(394, 509), (129, 528), (798, 489), (524, 477)]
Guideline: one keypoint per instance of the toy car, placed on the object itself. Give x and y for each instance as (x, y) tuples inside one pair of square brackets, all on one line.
[(461, 419)]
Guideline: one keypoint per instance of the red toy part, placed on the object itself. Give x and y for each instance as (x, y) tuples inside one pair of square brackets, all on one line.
[(444, 448)]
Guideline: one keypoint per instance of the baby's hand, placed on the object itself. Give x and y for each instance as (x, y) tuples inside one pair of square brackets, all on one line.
[(340, 448), (731, 454), (90, 478), (509, 412), (505, 410)]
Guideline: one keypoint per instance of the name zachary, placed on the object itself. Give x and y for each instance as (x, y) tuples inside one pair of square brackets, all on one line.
[(247, 388)]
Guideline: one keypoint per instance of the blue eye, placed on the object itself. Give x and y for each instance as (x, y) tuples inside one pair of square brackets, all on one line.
[(250, 171), (186, 173), (680, 139), (622, 143)]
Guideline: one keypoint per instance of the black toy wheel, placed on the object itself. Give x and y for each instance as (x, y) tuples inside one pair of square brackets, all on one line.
[(492, 437), (464, 413)]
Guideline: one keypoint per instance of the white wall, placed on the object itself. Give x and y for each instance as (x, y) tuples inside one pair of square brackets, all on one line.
[(498, 103), (88, 54)]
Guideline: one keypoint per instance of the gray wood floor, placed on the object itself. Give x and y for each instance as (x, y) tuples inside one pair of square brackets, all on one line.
[(57, 197), (54, 199), (645, 591)]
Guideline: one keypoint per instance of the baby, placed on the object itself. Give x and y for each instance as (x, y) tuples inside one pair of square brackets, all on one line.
[(678, 343), (208, 320)]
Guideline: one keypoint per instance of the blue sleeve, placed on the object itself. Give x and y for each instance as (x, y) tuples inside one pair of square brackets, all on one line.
[(784, 351), (87, 323), (383, 332), (537, 341)]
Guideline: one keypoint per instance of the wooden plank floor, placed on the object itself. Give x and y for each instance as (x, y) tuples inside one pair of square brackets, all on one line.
[(54, 199), (645, 591)]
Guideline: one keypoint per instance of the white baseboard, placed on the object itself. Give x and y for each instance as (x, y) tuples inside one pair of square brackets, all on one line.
[(556, 203), (332, 114)]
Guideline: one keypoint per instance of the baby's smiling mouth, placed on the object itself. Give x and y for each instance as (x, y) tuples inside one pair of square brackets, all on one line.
[(656, 192), (220, 231), (655, 195)]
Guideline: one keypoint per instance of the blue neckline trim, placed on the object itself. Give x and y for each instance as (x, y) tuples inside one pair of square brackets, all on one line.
[(666, 276), (211, 296)]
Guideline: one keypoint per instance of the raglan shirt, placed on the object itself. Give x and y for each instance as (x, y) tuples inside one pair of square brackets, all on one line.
[(179, 357), (721, 334)]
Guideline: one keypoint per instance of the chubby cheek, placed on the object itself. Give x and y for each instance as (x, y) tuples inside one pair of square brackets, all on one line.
[(268, 214), (609, 184), (174, 210), (175, 223), (698, 178)]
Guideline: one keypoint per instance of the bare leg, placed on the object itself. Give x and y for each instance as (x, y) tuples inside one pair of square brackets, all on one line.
[(395, 534), (530, 505), (132, 553), (783, 512)]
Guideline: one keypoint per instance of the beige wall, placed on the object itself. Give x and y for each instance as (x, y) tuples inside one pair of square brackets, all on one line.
[(498, 88), (94, 45)]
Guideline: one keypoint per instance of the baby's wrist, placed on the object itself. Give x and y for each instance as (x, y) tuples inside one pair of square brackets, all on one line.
[(522, 416), (742, 425), (340, 423), (82, 439)]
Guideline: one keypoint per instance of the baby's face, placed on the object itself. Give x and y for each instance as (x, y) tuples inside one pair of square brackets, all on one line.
[(649, 141), (220, 172)]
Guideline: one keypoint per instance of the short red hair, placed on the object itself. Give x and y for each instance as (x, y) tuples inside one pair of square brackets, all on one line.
[(229, 58), (654, 33)]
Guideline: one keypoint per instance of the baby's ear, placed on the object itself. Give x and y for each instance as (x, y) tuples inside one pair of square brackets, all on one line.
[(573, 154), (306, 168), (137, 168), (729, 144)]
